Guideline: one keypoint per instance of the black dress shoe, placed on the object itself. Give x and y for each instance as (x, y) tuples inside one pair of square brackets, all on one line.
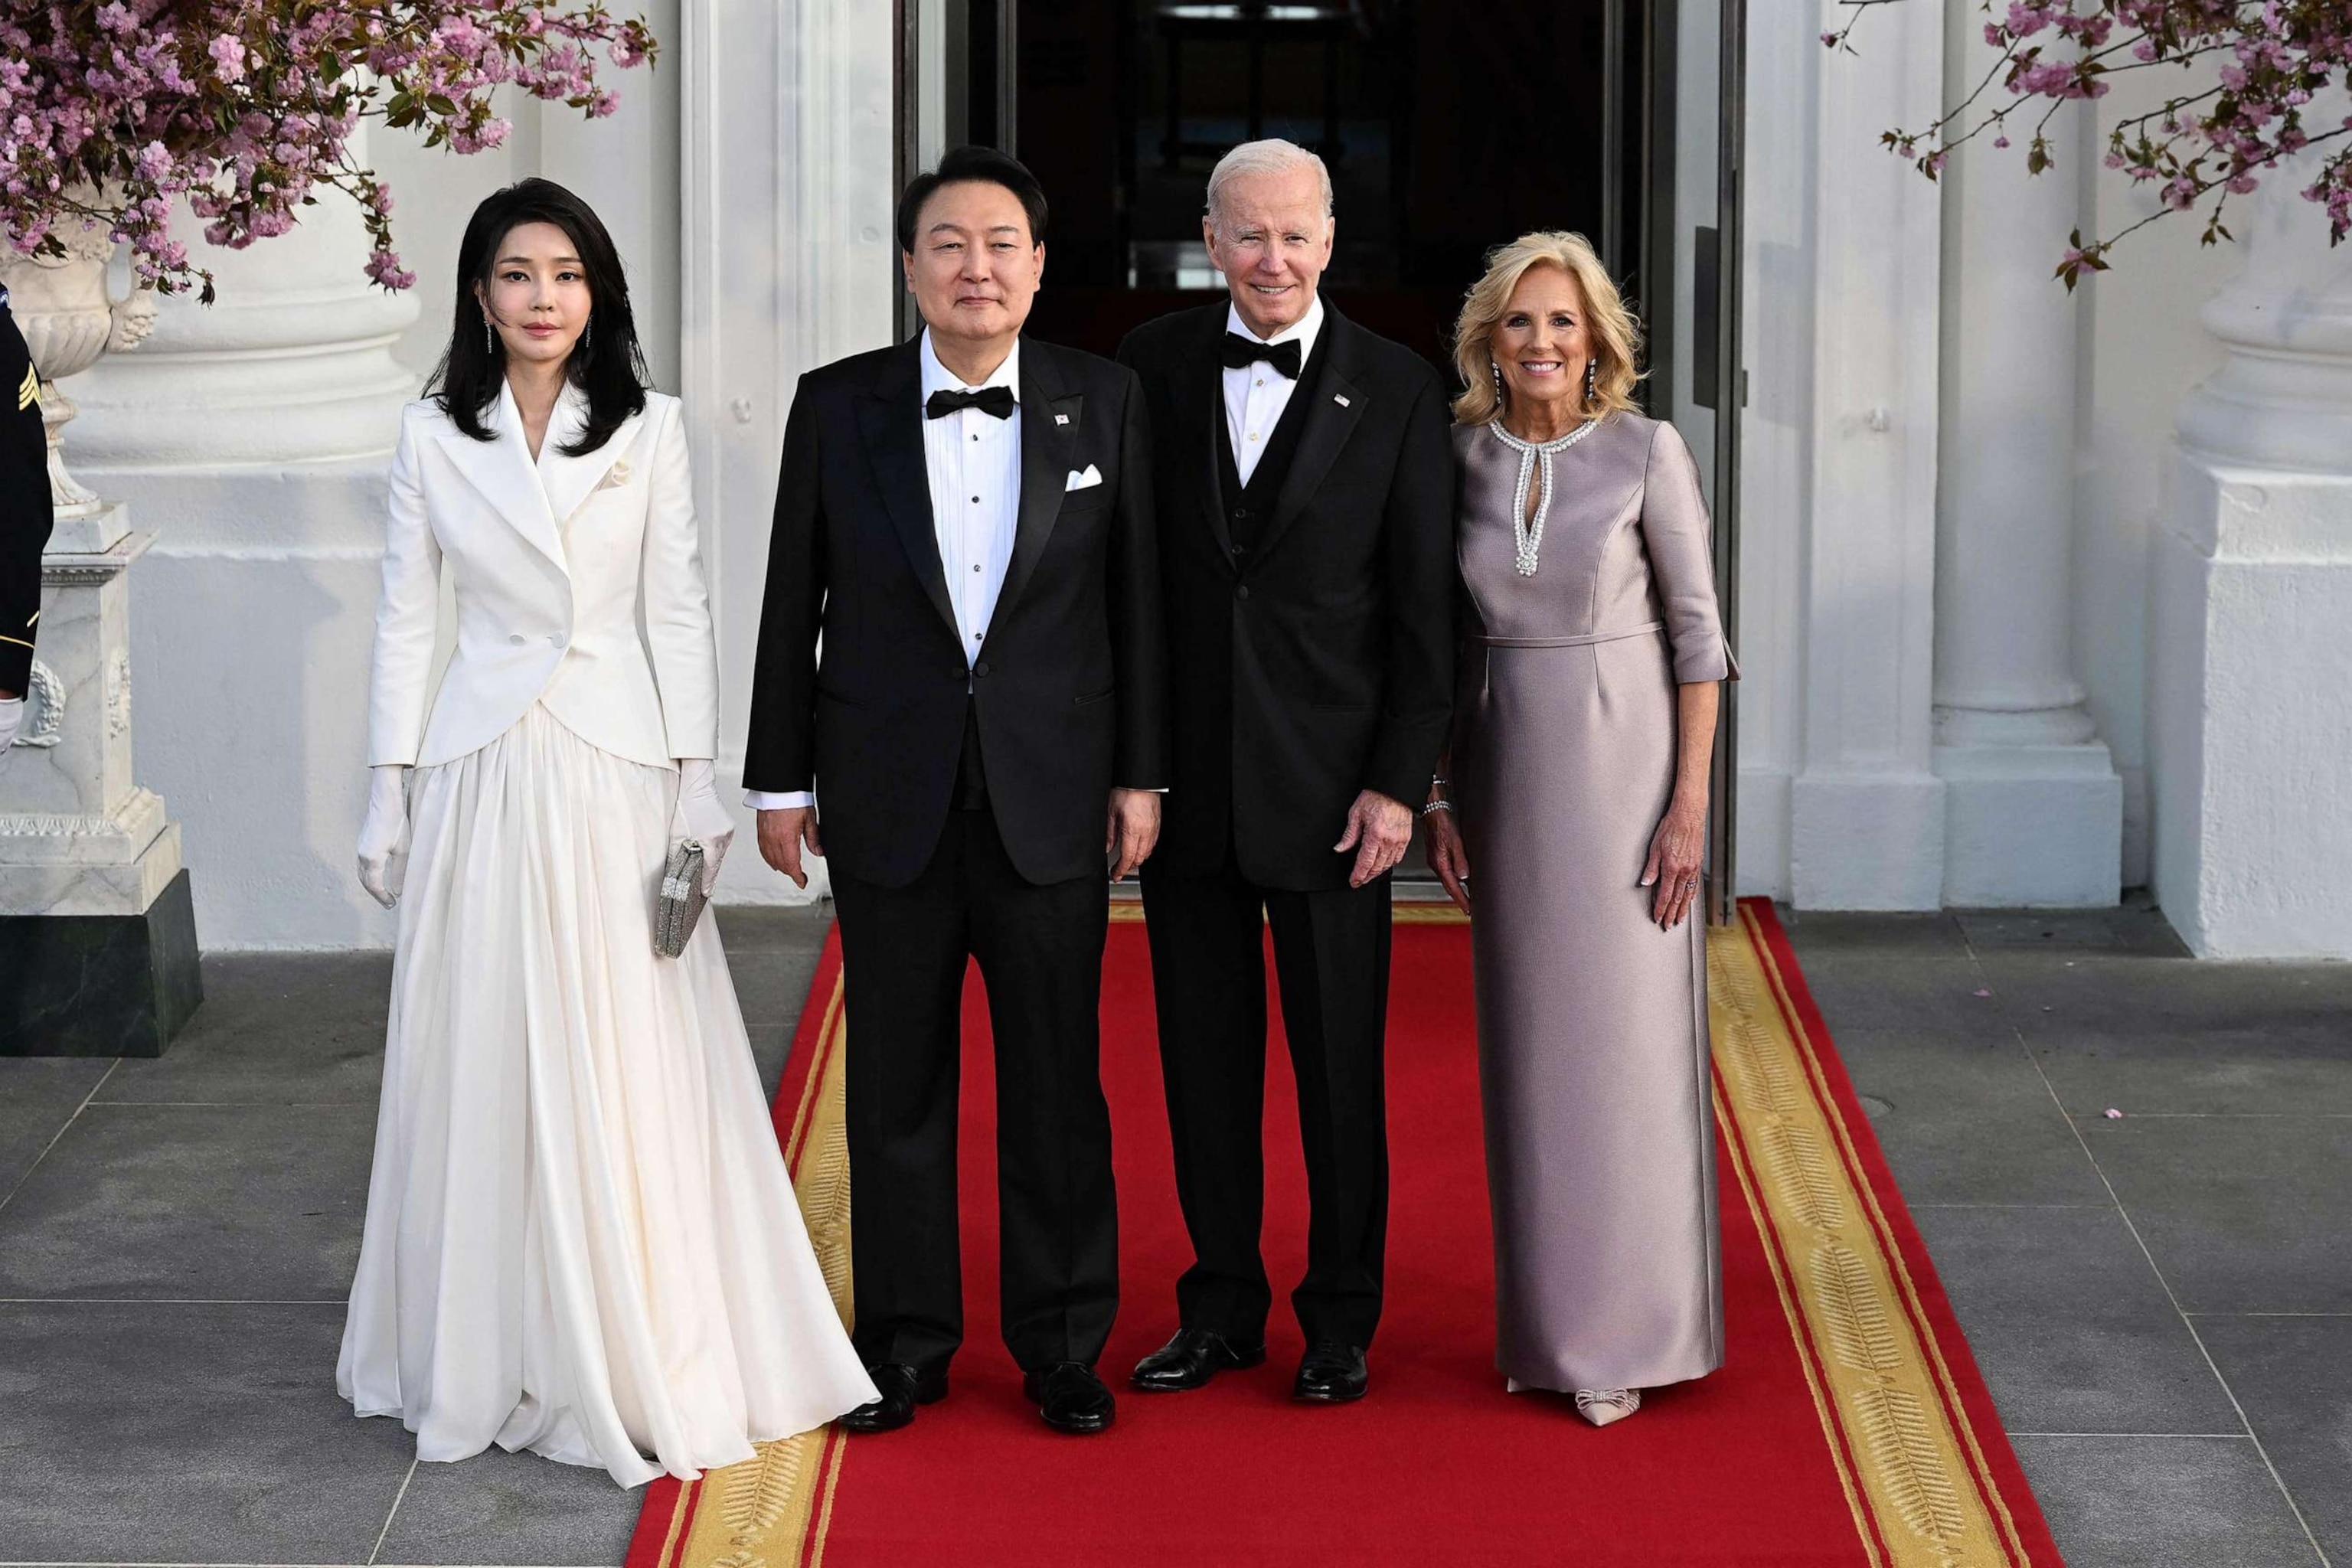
[(1070, 1398), (901, 1388), (1331, 1373), (1191, 1359)]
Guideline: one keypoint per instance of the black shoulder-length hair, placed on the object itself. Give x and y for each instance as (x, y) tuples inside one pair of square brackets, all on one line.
[(606, 363), (984, 164)]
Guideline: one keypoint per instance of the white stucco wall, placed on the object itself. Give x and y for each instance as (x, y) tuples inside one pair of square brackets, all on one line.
[(2141, 348), (748, 190)]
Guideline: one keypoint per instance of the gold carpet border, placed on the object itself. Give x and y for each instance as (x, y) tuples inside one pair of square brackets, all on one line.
[(1980, 1468), (1879, 1388), (1880, 1385), (772, 1510)]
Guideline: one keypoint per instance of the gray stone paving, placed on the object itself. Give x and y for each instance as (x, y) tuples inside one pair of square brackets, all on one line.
[(2161, 1304)]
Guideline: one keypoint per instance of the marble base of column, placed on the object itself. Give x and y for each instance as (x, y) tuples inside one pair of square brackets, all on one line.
[(2034, 809), (2250, 709), (97, 937)]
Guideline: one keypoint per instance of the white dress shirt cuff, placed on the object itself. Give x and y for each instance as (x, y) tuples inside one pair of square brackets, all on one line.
[(772, 800)]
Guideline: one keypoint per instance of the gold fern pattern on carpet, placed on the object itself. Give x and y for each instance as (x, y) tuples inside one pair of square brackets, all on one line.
[(1882, 1393), (823, 1179), (1851, 1314), (1900, 1440), (760, 1513)]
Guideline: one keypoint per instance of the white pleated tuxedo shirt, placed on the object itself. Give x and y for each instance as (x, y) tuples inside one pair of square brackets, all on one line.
[(974, 462), (1256, 393)]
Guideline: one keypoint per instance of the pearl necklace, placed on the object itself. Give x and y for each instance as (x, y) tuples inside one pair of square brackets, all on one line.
[(1529, 535)]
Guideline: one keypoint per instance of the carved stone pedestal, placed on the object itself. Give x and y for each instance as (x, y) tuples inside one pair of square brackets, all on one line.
[(97, 935)]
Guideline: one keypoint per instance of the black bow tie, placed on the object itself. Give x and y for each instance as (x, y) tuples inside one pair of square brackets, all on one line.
[(997, 401), (1241, 352)]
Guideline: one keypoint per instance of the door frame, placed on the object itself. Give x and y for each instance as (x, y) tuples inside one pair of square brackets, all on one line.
[(932, 40)]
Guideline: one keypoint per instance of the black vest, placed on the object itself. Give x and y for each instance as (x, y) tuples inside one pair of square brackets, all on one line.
[(1249, 507)]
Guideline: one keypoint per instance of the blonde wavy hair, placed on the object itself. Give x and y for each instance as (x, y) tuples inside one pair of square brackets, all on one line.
[(1616, 335)]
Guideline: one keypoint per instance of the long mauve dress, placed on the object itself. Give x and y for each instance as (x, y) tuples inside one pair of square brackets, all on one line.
[(1592, 1039)]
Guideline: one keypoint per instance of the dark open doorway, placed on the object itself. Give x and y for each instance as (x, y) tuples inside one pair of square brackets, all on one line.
[(1447, 132), (1448, 129)]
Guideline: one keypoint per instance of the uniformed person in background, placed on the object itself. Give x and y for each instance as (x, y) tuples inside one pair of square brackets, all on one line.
[(25, 519)]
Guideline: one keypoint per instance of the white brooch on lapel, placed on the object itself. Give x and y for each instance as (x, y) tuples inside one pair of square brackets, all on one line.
[(614, 476), (1086, 480)]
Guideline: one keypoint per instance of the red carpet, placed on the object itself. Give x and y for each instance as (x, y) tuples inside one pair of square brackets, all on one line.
[(1848, 1425)]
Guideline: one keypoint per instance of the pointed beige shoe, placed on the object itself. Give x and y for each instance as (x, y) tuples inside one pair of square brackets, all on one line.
[(1602, 1406)]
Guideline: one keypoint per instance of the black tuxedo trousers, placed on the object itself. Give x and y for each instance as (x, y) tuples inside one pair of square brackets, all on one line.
[(1310, 623), (962, 801)]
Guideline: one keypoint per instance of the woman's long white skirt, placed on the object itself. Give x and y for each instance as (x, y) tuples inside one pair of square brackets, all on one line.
[(581, 1239)]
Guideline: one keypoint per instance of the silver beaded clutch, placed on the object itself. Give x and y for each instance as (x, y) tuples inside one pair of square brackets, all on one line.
[(681, 900)]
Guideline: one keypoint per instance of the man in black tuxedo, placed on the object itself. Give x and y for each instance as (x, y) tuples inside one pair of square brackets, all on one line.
[(966, 521), (26, 518), (1305, 496)]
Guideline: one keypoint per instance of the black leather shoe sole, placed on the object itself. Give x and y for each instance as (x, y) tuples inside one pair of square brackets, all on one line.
[(1082, 1423), (1329, 1393), (888, 1415), (1184, 1379)]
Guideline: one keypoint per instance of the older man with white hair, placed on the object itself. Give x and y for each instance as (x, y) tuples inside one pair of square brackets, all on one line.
[(1305, 485)]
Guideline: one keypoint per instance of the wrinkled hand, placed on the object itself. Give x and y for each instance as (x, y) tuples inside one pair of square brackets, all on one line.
[(11, 718), (1675, 851), (1380, 830), (1133, 831), (1448, 858), (784, 835), (383, 835), (700, 817)]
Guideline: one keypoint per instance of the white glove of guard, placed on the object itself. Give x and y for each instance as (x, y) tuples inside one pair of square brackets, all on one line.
[(12, 719), (383, 835), (699, 817)]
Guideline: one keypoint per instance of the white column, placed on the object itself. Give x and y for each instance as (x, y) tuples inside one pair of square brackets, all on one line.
[(788, 263), (2034, 809), (2249, 688), (1866, 812), (253, 437)]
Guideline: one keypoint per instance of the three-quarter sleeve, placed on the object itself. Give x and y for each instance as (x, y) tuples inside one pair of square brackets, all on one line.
[(1676, 531)]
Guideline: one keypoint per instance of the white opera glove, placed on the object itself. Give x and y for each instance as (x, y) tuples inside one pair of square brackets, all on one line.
[(383, 835), (12, 719), (700, 816)]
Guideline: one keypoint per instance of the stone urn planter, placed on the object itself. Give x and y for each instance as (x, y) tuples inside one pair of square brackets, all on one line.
[(69, 318), (96, 926)]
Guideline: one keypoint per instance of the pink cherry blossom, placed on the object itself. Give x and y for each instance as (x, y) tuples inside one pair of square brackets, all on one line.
[(108, 114), (2198, 146)]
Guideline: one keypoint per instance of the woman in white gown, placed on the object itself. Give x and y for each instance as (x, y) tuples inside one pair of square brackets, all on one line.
[(581, 1239)]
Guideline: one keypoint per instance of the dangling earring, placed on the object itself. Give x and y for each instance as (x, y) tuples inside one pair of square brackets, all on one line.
[(489, 338), (588, 337), (1590, 367), (1496, 367)]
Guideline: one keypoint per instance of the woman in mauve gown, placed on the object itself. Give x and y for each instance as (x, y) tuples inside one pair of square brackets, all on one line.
[(1578, 790)]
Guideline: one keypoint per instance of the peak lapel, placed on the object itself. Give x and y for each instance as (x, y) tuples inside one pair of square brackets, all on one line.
[(568, 481), (890, 420), (1330, 420), (1046, 445), (500, 468)]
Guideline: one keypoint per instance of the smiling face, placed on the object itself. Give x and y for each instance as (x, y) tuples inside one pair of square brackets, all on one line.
[(1542, 343), (538, 298), (975, 267), (1272, 238)]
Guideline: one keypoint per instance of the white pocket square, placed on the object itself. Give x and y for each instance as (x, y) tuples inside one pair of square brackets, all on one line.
[(1090, 478)]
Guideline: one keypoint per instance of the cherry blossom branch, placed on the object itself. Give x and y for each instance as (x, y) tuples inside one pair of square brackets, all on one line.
[(2208, 145), (247, 108)]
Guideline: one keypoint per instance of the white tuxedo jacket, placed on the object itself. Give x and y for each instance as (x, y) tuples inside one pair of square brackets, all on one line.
[(551, 561)]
